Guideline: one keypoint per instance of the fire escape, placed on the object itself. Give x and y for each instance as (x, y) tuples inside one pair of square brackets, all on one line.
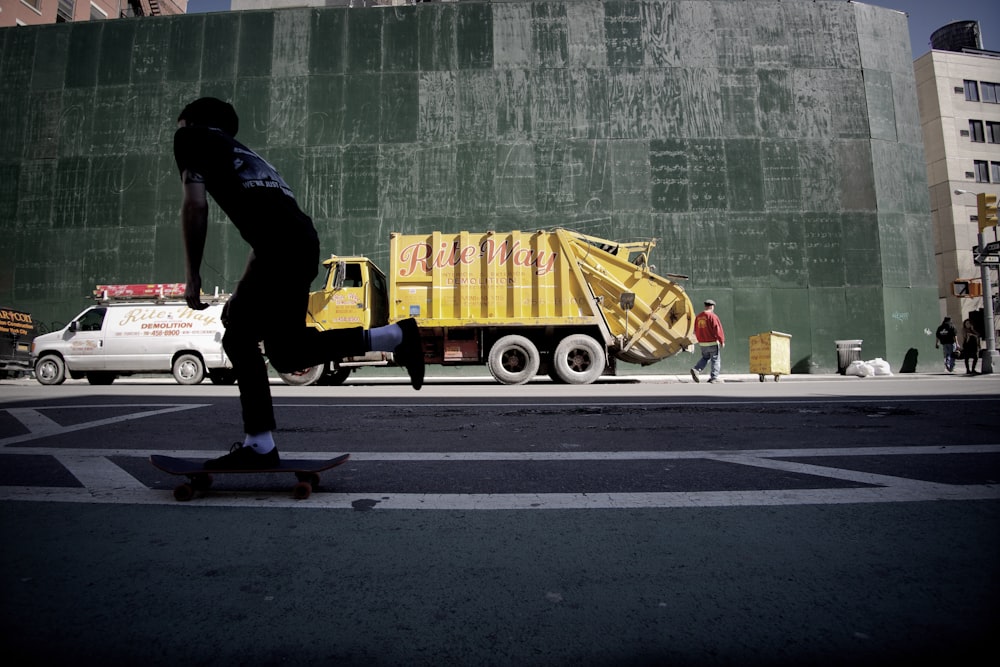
[(145, 7)]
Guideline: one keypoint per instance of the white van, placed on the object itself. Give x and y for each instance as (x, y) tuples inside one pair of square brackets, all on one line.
[(122, 336)]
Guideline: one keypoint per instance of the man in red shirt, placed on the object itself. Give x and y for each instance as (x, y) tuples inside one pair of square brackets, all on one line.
[(711, 340)]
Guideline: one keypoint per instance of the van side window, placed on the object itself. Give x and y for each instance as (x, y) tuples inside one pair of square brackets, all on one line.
[(92, 320)]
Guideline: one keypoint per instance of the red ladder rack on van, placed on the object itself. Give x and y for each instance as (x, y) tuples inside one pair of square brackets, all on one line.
[(150, 292), (139, 291)]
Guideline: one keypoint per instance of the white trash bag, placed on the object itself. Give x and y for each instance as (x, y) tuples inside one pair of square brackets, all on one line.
[(865, 369), (881, 366), (860, 368)]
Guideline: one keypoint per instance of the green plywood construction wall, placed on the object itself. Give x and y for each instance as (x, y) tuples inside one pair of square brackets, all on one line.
[(772, 147)]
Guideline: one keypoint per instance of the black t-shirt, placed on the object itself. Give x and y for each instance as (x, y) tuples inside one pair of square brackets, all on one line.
[(946, 334), (246, 187)]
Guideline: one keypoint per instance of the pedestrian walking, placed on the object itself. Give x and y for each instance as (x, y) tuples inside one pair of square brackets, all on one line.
[(946, 336), (711, 340)]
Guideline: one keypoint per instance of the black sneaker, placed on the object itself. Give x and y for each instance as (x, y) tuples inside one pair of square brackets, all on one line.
[(410, 353), (694, 375), (244, 458)]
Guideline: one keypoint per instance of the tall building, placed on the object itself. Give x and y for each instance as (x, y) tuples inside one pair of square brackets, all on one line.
[(958, 92), (39, 12), (774, 149)]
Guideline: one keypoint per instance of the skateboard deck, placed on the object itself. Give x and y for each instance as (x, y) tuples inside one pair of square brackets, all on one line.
[(306, 471)]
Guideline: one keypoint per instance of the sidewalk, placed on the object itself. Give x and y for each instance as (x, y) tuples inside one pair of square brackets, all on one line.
[(805, 377), (388, 377)]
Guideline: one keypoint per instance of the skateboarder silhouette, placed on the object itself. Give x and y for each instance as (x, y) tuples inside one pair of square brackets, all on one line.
[(270, 301)]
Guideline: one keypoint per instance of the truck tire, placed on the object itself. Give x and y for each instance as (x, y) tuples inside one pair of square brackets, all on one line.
[(304, 377), (50, 369), (334, 378), (224, 376), (189, 369), (514, 360), (579, 359)]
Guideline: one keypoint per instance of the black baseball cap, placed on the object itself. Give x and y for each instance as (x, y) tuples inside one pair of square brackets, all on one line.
[(212, 112)]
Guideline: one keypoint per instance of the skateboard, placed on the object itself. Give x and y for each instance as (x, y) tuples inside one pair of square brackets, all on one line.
[(199, 479)]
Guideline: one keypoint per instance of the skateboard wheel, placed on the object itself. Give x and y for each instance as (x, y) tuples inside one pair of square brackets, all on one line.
[(184, 492), (302, 490), (311, 477), (201, 482)]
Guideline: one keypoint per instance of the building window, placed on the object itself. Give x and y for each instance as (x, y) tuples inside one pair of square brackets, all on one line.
[(64, 12), (34, 4), (976, 131), (993, 132), (982, 171), (995, 171), (990, 92), (97, 14), (971, 90)]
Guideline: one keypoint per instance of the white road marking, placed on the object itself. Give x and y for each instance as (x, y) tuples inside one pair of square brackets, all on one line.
[(106, 482), (97, 472), (517, 501), (828, 471), (899, 450), (40, 426), (36, 423), (653, 402)]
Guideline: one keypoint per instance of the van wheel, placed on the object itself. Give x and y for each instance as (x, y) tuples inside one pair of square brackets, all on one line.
[(579, 359), (50, 369), (514, 360), (188, 369), (304, 377), (101, 378)]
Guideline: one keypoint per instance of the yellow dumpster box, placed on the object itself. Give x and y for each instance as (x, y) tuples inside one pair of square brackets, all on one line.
[(770, 354)]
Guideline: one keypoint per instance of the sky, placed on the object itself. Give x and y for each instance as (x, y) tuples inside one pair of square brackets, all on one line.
[(202, 6), (925, 16)]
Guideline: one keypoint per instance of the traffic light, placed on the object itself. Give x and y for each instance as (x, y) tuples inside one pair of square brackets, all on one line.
[(987, 210), (966, 288)]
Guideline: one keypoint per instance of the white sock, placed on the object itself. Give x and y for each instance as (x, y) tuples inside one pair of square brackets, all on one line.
[(262, 443), (385, 339)]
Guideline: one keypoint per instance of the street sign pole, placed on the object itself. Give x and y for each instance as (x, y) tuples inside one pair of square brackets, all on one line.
[(990, 358)]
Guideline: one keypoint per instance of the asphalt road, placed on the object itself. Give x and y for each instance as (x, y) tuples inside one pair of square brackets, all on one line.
[(820, 520)]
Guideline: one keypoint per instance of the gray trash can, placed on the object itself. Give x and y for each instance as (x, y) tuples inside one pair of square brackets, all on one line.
[(847, 351)]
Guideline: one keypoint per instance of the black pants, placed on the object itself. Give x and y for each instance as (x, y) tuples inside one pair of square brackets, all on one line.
[(269, 305)]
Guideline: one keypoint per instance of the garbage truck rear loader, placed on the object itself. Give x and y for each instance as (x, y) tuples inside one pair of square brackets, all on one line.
[(557, 302)]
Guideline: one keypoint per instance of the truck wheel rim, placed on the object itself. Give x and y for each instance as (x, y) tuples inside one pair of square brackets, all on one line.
[(579, 360)]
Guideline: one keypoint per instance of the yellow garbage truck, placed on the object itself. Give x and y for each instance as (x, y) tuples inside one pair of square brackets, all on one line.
[(557, 303)]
